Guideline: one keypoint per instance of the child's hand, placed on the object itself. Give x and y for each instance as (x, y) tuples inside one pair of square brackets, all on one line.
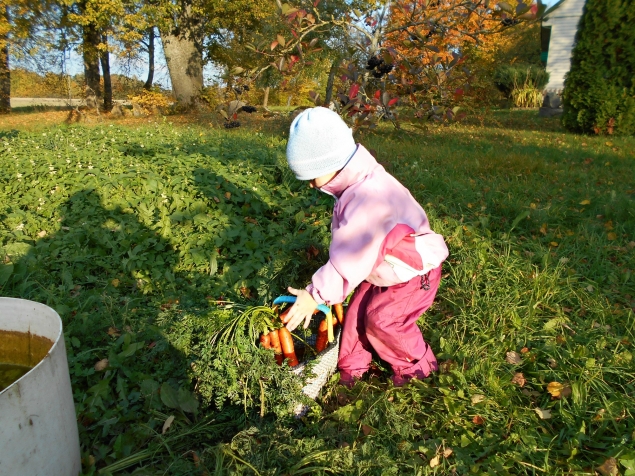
[(302, 309)]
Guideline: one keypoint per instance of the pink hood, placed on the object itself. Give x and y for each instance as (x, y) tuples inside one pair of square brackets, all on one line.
[(375, 219)]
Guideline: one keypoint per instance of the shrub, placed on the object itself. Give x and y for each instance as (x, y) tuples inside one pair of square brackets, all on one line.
[(510, 77), (599, 90), (151, 100), (526, 96)]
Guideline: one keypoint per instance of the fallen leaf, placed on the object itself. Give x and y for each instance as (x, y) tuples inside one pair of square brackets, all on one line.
[(552, 363), (611, 236), (101, 365), (114, 332), (519, 379), (434, 462), (513, 358), (477, 399), (447, 452), (228, 195), (554, 388), (42, 234), (167, 424), (585, 202), (524, 350), (478, 420), (115, 282), (543, 414), (608, 468), (553, 243), (367, 430), (543, 228)]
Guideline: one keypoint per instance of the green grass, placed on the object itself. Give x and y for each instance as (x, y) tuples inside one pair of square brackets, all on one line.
[(163, 222)]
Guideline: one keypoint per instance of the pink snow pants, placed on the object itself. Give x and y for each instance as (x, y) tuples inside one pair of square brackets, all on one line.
[(384, 319)]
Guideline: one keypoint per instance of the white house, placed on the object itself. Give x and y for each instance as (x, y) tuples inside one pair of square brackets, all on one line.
[(558, 34)]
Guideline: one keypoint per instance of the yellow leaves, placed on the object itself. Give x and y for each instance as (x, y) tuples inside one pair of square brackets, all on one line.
[(612, 236), (543, 413), (436, 461), (115, 282), (228, 195), (114, 332), (558, 390), (585, 202), (281, 40), (477, 399), (543, 228), (532, 206), (553, 243), (41, 234)]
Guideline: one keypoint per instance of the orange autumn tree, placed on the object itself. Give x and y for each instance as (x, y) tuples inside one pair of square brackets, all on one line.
[(434, 38)]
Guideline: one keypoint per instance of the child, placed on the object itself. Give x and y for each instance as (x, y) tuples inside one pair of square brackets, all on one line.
[(382, 247)]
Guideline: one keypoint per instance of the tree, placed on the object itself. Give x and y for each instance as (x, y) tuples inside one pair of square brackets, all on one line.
[(599, 90), (18, 24), (88, 25), (399, 48), (5, 74)]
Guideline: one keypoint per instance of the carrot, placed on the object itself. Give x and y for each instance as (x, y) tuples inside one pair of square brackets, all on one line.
[(275, 344), (284, 313), (339, 312), (322, 337), (286, 342), (265, 340)]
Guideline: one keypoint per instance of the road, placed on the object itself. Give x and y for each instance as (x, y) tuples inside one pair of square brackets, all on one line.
[(25, 102)]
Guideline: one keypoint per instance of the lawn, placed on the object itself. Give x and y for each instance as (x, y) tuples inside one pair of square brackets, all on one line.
[(148, 235)]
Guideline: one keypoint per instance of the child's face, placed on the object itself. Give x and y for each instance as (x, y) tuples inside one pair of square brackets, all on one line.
[(320, 182)]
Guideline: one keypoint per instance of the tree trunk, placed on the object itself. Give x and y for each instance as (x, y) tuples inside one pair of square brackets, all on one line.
[(5, 78), (185, 64), (105, 68), (91, 58), (265, 101), (148, 84), (329, 84)]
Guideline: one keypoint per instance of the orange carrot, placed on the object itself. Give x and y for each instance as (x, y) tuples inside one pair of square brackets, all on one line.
[(275, 344), (322, 337), (284, 313), (286, 341), (265, 340), (339, 312)]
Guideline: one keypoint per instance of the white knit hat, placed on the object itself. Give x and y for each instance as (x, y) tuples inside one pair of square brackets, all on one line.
[(320, 142)]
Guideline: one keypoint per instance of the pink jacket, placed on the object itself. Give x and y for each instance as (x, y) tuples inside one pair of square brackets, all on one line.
[(380, 233)]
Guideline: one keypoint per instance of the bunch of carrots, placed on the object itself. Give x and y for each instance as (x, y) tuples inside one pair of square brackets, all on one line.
[(281, 341)]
